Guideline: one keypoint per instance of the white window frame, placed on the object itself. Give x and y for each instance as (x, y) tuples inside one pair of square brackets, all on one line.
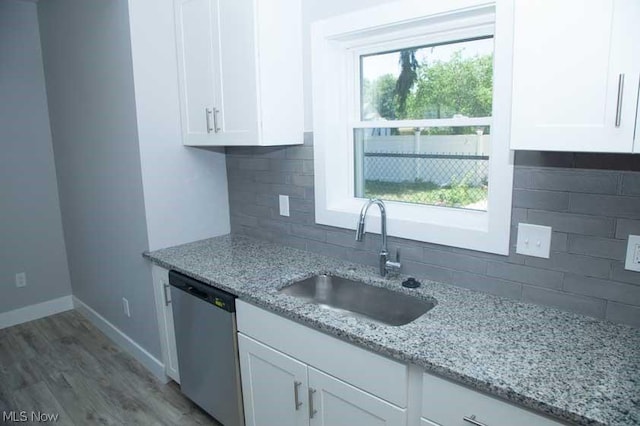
[(337, 44)]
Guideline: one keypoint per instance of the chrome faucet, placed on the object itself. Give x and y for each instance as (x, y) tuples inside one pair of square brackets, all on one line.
[(385, 264)]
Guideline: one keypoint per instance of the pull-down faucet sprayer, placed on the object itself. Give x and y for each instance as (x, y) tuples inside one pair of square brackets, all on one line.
[(385, 264)]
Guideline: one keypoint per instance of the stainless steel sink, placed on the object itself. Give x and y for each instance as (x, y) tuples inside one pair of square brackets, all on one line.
[(358, 299)]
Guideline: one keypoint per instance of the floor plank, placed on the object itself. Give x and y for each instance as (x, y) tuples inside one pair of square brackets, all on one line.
[(37, 399), (64, 365)]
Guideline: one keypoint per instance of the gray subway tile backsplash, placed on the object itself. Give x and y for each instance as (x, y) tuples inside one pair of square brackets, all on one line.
[(525, 274), (461, 262), (606, 248), (630, 184), (625, 227), (559, 241), (568, 301), (491, 285), (621, 312), (603, 289), (591, 211), (573, 223), (606, 205), (592, 182), (536, 199), (572, 263), (422, 270), (618, 273)]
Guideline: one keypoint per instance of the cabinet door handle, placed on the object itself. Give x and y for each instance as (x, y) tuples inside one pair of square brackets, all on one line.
[(312, 411), (296, 397), (166, 296), (207, 112), (215, 120), (472, 419), (619, 102)]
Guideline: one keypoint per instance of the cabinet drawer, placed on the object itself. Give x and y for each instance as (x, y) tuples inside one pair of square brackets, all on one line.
[(373, 373), (446, 404)]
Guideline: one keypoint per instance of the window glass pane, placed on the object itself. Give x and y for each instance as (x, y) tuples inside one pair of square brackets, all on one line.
[(444, 166), (430, 82)]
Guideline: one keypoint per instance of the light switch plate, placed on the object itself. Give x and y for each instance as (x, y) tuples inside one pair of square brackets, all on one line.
[(633, 254), (534, 240), (284, 205), (21, 279)]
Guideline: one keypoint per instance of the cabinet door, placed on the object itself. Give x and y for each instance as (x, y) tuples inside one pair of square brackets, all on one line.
[(336, 403), (165, 322), (197, 44), (274, 386), (448, 404), (238, 117), (568, 61)]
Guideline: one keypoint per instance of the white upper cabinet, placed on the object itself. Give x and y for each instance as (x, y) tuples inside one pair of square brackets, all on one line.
[(576, 71), (240, 71)]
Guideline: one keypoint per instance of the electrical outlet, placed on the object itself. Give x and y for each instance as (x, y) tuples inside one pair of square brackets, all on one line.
[(534, 240), (284, 205), (125, 306), (21, 279), (632, 262)]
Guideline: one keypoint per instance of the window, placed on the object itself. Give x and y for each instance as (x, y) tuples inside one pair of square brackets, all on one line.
[(401, 153), (407, 109)]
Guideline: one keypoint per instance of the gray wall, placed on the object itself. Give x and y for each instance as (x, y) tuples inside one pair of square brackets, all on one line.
[(172, 174), (30, 223), (591, 212), (88, 69)]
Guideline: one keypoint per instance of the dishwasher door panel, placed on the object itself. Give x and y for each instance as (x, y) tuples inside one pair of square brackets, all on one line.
[(208, 357)]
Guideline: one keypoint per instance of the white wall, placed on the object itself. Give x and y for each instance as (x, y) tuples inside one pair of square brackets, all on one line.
[(313, 10), (185, 189), (88, 68), (31, 238)]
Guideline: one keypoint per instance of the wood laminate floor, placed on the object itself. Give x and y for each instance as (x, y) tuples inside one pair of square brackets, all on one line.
[(64, 365)]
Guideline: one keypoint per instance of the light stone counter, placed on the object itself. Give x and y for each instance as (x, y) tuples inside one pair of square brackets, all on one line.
[(576, 368)]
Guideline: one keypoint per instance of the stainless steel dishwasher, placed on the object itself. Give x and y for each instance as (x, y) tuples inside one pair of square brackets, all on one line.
[(205, 325)]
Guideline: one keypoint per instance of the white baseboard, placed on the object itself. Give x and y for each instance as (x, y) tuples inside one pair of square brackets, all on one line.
[(154, 365), (34, 312)]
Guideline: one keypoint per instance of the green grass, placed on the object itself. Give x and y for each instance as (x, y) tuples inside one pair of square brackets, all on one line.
[(455, 195)]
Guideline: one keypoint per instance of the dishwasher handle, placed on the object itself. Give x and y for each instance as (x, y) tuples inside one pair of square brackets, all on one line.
[(198, 293), (218, 298)]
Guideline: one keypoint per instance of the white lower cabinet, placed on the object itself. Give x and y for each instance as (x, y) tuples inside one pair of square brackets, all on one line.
[(164, 313), (293, 375), (274, 386), (281, 391), (336, 403), (445, 403)]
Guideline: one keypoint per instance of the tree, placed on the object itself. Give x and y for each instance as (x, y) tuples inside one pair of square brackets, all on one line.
[(459, 86), (386, 101), (439, 89), (379, 98), (408, 75)]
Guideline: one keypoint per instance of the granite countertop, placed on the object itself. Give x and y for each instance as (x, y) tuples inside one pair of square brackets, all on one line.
[(573, 367)]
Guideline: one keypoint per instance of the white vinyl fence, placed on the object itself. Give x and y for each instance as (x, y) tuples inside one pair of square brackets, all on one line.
[(413, 158)]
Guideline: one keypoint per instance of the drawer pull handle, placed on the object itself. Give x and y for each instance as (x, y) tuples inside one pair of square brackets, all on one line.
[(165, 287), (296, 397), (216, 128), (312, 411), (472, 419), (619, 102), (207, 113)]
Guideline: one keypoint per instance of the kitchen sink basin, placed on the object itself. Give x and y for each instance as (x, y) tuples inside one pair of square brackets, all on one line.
[(358, 299)]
